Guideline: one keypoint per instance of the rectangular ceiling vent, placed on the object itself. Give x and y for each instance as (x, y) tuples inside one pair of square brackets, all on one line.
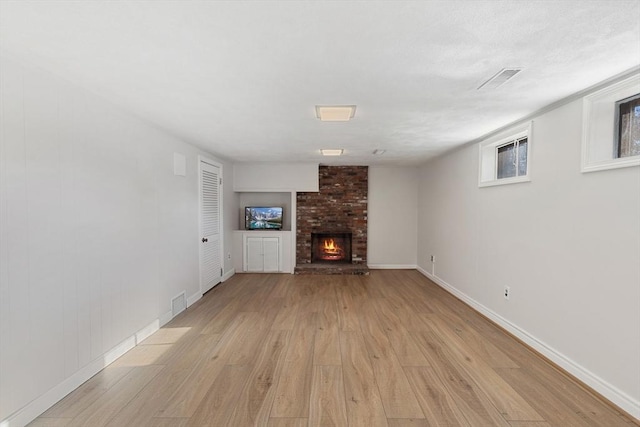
[(500, 78)]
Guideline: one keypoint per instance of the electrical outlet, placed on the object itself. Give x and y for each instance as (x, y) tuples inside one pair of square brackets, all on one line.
[(507, 292), (229, 255), (433, 258)]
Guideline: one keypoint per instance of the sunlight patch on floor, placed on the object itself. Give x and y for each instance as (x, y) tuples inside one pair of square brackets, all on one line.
[(166, 336)]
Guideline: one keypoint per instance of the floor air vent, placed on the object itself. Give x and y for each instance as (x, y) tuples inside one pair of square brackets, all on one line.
[(178, 304)]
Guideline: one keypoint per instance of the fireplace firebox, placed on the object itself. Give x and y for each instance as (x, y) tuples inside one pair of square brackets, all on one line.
[(331, 247)]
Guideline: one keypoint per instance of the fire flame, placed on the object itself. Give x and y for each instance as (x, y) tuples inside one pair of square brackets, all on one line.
[(331, 247)]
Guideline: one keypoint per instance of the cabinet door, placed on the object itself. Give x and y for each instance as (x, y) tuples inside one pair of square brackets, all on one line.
[(271, 249), (255, 257)]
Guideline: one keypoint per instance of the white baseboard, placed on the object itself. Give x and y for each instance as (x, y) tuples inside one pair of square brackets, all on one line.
[(392, 266), (31, 411), (608, 391), (147, 331), (226, 276), (165, 318), (193, 299)]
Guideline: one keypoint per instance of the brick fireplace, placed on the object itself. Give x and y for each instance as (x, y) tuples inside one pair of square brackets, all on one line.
[(332, 223)]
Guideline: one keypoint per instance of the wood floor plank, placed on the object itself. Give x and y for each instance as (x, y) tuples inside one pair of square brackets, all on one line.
[(326, 349), (256, 399), (510, 404), (288, 422), (412, 294), (347, 313), (283, 287), (217, 406), (490, 353), (117, 397), (550, 402), (408, 422), (142, 355), (247, 344), (166, 336), (286, 316), (469, 398), (294, 385), (157, 393), (408, 317), (163, 422), (222, 318), (438, 405), (531, 424), (398, 399), (364, 404), (400, 338), (89, 392), (187, 397), (50, 422), (328, 405)]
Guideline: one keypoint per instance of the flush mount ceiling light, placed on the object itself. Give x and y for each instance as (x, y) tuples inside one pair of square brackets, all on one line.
[(335, 113), (331, 151), (500, 78)]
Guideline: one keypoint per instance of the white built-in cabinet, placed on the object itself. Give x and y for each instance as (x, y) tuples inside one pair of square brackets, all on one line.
[(262, 254), (258, 251)]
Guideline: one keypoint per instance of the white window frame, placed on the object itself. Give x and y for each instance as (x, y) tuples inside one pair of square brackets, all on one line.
[(488, 156), (599, 145)]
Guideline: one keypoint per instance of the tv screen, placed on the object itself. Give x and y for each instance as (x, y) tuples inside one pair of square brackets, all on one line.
[(263, 218)]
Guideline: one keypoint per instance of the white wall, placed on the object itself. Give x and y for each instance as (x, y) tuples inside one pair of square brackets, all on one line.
[(271, 176), (567, 243), (392, 217), (97, 234)]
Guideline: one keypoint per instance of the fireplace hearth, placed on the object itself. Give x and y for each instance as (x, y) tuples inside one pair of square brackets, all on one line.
[(334, 248)]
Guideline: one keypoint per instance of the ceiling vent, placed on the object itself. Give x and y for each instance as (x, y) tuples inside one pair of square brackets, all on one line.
[(500, 78)]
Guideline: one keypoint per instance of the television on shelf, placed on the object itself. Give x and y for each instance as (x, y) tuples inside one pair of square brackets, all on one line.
[(263, 218)]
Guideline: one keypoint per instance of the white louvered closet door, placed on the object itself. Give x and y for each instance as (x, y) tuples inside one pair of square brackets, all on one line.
[(211, 249)]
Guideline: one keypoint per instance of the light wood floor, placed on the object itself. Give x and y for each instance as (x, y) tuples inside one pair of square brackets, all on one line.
[(389, 349)]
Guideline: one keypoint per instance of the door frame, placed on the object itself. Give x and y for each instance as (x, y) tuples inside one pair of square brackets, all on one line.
[(209, 161)]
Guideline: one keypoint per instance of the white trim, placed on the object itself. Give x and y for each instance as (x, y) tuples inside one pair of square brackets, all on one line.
[(36, 407), (193, 299), (165, 318), (269, 190), (609, 391), (392, 266), (598, 126), (505, 181), (147, 331), (624, 162), (226, 276), (293, 255)]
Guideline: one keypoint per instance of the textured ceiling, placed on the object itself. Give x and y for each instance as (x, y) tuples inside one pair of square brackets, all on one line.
[(241, 79)]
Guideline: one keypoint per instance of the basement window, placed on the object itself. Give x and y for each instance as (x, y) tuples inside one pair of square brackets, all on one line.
[(628, 127), (511, 159), (611, 126), (504, 159)]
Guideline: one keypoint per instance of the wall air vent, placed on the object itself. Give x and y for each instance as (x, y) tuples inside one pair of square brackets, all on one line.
[(500, 78), (178, 304)]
